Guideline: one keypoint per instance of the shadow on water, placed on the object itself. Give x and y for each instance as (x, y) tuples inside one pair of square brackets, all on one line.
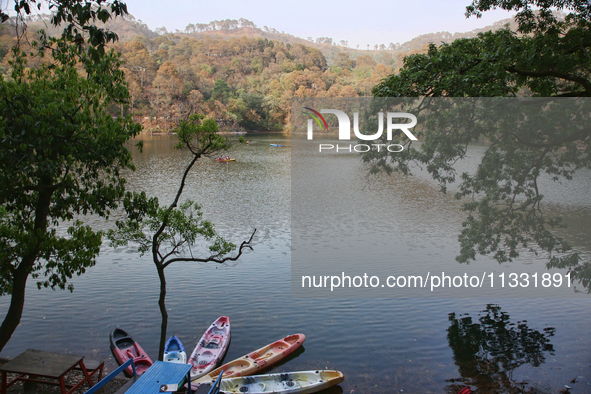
[(222, 361), (332, 390), (488, 351)]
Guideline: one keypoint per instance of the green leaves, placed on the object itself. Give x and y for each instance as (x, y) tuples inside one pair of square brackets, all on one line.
[(498, 63), (60, 156), (69, 256), (78, 18), (200, 135), (185, 229), (543, 19), (60, 151), (552, 59)]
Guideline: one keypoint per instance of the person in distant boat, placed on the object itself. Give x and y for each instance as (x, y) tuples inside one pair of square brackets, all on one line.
[(227, 157), (221, 157)]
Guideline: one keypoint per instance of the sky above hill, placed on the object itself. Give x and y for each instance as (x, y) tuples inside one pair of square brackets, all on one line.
[(359, 22)]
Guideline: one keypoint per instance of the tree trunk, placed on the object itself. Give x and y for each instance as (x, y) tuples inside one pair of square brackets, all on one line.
[(160, 264), (163, 312), (21, 272), (15, 311)]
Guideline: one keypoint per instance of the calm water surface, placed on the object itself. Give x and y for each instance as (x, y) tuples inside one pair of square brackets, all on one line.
[(381, 345)]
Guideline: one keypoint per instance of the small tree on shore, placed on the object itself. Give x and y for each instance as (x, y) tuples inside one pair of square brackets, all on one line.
[(170, 233)]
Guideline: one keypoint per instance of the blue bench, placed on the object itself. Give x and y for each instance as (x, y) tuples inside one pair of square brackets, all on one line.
[(111, 376)]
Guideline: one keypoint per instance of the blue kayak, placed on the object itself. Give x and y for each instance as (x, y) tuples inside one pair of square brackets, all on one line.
[(174, 351), (276, 145)]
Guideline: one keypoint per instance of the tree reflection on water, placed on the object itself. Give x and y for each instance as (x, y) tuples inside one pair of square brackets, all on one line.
[(488, 351)]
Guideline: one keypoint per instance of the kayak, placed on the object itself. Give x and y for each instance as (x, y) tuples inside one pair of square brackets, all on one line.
[(257, 360), (290, 382), (125, 347), (174, 351), (211, 348), (276, 145), (224, 160)]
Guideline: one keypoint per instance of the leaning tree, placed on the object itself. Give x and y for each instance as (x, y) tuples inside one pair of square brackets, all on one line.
[(171, 234), (61, 152)]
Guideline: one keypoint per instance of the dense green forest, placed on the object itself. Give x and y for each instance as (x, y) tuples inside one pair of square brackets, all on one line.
[(235, 72)]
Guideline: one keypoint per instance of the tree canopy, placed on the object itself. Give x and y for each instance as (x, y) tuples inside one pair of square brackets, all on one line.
[(547, 57), (78, 18), (61, 153)]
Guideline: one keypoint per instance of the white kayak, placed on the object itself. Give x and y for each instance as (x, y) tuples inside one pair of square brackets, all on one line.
[(174, 351), (288, 382)]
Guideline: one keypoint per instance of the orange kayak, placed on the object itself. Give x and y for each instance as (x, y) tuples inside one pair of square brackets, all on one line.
[(257, 360), (223, 160)]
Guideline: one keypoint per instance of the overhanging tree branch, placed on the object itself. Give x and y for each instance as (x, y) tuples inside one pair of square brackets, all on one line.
[(216, 259), (585, 83)]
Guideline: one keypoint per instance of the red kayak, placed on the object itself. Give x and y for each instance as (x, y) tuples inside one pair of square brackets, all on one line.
[(125, 347)]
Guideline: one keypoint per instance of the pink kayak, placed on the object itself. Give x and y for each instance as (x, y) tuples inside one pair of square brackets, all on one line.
[(211, 348)]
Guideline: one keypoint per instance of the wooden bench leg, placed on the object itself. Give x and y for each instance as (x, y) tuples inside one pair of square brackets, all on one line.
[(100, 368), (3, 384), (30, 384), (93, 367), (89, 368), (63, 385)]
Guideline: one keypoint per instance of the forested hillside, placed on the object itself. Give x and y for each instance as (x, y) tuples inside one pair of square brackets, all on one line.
[(234, 71), (245, 83)]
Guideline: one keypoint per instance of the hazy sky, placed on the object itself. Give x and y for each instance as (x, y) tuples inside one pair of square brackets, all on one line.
[(359, 22)]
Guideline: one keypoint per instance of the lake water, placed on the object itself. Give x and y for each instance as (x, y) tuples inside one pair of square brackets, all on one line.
[(382, 345)]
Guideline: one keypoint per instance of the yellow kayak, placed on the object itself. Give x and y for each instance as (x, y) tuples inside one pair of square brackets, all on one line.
[(304, 382)]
